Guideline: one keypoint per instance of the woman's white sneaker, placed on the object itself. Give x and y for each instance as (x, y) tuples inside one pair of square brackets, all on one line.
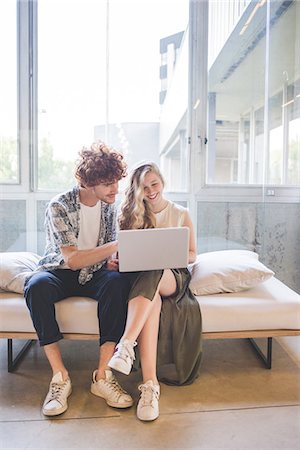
[(110, 390), (147, 408), (123, 357), (56, 400)]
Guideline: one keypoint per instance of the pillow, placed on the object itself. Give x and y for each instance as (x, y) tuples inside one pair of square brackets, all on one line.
[(227, 271), (15, 267)]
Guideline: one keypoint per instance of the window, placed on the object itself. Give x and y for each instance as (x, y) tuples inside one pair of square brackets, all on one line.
[(74, 72), (284, 95), (9, 155), (71, 85), (236, 92), (88, 69), (252, 141), (98, 78)]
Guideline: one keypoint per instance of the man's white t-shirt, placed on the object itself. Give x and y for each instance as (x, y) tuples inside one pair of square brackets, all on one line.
[(89, 226)]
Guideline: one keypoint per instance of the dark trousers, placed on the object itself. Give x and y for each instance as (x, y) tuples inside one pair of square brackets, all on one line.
[(110, 289)]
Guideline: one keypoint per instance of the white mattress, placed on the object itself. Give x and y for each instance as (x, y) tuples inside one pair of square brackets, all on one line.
[(271, 305)]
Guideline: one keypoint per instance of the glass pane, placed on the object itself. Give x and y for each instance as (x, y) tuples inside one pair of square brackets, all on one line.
[(145, 64), (281, 220), (12, 225), (229, 225), (71, 84), (106, 79), (254, 130), (173, 118), (9, 159), (284, 94), (237, 55)]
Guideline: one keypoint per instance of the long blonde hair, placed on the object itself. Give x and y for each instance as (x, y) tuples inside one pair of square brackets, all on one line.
[(135, 210)]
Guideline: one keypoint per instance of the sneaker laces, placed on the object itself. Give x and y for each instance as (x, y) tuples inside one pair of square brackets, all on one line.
[(148, 394), (125, 350), (114, 386), (56, 391)]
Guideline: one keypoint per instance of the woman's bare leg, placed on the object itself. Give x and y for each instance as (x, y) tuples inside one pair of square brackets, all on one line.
[(140, 308), (167, 284), (143, 324), (149, 335), (147, 341)]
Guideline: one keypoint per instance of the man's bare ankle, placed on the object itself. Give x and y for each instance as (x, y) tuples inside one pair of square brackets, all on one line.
[(101, 374), (153, 379), (64, 373)]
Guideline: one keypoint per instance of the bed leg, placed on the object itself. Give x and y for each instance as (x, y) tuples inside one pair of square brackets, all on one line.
[(12, 363), (266, 359)]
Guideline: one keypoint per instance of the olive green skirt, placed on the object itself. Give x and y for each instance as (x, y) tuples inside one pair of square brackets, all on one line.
[(146, 283)]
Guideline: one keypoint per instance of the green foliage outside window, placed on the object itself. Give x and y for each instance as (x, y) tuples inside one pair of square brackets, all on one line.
[(8, 160), (53, 173)]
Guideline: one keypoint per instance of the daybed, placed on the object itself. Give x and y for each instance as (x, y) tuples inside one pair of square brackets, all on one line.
[(267, 309)]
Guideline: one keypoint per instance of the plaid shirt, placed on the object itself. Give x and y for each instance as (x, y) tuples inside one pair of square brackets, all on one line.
[(62, 229)]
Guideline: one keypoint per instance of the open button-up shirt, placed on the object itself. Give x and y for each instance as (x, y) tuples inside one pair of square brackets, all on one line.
[(62, 225)]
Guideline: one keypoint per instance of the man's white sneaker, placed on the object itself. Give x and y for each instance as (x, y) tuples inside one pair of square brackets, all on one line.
[(123, 357), (111, 391), (56, 400), (147, 408)]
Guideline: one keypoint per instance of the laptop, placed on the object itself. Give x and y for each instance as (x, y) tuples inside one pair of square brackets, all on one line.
[(152, 249)]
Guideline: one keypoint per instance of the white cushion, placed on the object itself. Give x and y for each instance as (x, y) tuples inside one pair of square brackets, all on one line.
[(15, 267), (227, 271)]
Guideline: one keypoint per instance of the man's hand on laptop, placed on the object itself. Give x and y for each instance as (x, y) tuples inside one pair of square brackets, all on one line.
[(113, 264)]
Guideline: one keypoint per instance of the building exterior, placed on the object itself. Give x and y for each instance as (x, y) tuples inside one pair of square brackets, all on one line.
[(169, 48)]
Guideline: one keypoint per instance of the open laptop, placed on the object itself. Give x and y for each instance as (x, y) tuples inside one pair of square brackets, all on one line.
[(154, 248)]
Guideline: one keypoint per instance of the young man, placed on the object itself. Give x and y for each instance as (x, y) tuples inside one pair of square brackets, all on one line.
[(81, 232)]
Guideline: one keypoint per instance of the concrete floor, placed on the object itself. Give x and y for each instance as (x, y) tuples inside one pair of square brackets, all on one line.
[(234, 404)]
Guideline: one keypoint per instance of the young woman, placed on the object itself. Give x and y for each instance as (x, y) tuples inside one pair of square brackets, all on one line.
[(160, 301)]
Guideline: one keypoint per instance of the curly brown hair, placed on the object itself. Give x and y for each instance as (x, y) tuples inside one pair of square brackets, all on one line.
[(99, 164)]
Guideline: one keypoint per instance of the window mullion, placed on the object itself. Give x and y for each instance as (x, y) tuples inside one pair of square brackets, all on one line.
[(32, 100), (197, 99)]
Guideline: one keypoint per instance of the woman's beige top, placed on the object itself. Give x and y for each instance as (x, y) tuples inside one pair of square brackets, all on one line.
[(171, 216)]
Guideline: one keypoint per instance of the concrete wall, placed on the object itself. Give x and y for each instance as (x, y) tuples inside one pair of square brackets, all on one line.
[(271, 230)]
